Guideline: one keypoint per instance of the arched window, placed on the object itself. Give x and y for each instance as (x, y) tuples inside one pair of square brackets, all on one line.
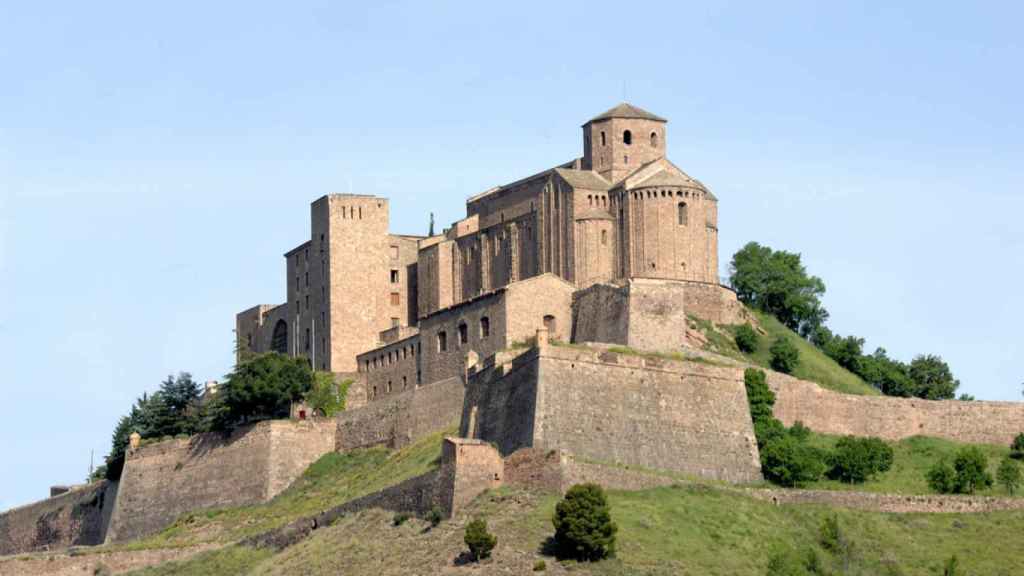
[(485, 327), (442, 341), (279, 340), (551, 324), (654, 139), (603, 142), (627, 137), (604, 237), (683, 218)]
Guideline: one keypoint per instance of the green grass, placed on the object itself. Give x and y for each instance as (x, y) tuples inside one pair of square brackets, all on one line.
[(228, 561), (330, 481), (912, 458), (814, 366)]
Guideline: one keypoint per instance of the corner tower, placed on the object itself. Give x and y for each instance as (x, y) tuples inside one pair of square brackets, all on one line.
[(620, 140)]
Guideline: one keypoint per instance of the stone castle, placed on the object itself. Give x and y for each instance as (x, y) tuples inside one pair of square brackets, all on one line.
[(549, 326), (399, 311)]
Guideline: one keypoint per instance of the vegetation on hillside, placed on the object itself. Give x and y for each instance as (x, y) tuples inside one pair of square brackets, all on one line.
[(777, 283)]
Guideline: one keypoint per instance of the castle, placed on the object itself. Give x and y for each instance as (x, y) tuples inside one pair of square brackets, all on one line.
[(397, 311)]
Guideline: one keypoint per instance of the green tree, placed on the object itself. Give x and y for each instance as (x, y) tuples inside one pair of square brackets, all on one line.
[(941, 477), (784, 355), (886, 374), (479, 540), (1008, 474), (1017, 447), (932, 378), (787, 461), (746, 338), (855, 460), (583, 525), (971, 467), (326, 396), (760, 397), (263, 386), (777, 282)]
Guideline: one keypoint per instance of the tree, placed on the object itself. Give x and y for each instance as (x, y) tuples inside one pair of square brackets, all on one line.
[(855, 460), (583, 525), (1008, 474), (746, 338), (479, 540), (787, 461), (941, 477), (847, 352), (886, 374), (932, 378), (263, 386), (777, 283), (784, 355), (971, 467), (1017, 447), (326, 396)]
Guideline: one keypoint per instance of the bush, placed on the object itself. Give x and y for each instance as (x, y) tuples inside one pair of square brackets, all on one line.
[(399, 519), (1017, 447), (759, 396), (941, 477), (435, 516), (540, 566), (787, 461), (1008, 474), (326, 396), (746, 338), (789, 562), (855, 460), (479, 540), (583, 525), (785, 357)]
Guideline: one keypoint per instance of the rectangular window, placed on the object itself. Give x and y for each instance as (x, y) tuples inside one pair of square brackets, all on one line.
[(307, 279), (394, 322), (396, 299), (442, 341), (307, 340), (394, 276), (463, 333)]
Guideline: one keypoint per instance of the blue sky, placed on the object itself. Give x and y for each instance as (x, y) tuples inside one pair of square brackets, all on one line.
[(156, 161)]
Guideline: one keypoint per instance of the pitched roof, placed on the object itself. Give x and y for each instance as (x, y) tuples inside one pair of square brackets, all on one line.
[(586, 179), (626, 110)]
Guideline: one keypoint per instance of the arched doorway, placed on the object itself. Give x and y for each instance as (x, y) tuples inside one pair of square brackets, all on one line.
[(279, 340)]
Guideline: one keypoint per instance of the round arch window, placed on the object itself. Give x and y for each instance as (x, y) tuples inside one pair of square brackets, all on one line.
[(627, 137), (654, 139)]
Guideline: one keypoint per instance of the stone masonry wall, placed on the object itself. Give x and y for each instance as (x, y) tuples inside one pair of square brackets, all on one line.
[(397, 420), (714, 303), (891, 418), (74, 518), (601, 314), (164, 480), (656, 314)]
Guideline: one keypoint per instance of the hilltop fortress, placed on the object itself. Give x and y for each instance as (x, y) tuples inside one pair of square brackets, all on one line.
[(549, 326)]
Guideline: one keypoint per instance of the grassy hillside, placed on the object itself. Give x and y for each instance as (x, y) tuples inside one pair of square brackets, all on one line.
[(815, 366), (674, 530), (911, 460)]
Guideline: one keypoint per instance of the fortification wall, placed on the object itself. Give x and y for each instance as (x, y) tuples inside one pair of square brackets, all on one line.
[(77, 517), (601, 314), (657, 314), (397, 420), (616, 408), (891, 418), (253, 464), (713, 303)]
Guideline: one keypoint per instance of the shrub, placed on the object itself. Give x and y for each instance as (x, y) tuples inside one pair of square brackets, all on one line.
[(1008, 474), (435, 516), (855, 460), (951, 567), (799, 431), (326, 396), (1017, 447), (767, 430), (787, 461), (971, 467), (785, 357), (583, 525), (540, 566), (941, 477), (759, 396), (399, 519), (746, 338), (789, 562), (479, 540)]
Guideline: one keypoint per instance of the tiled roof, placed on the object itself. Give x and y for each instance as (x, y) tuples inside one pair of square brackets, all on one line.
[(625, 110)]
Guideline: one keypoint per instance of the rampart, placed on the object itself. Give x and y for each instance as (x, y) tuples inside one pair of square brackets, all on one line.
[(618, 408), (642, 313), (397, 420), (74, 518), (891, 418), (253, 464)]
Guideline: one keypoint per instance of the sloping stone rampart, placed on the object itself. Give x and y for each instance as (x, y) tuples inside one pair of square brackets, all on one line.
[(73, 518)]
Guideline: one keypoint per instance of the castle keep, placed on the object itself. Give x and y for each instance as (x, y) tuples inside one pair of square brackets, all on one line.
[(400, 311)]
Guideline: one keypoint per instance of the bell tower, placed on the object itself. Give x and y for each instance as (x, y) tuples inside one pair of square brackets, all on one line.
[(620, 140)]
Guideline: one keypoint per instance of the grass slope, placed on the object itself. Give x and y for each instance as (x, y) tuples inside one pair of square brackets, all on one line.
[(814, 366), (672, 530), (332, 480), (912, 458)]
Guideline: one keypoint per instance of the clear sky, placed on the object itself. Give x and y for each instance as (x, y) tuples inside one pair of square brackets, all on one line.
[(156, 161)]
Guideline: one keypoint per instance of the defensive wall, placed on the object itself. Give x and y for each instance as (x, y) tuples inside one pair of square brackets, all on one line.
[(625, 409), (74, 518), (641, 313), (892, 418), (161, 481)]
